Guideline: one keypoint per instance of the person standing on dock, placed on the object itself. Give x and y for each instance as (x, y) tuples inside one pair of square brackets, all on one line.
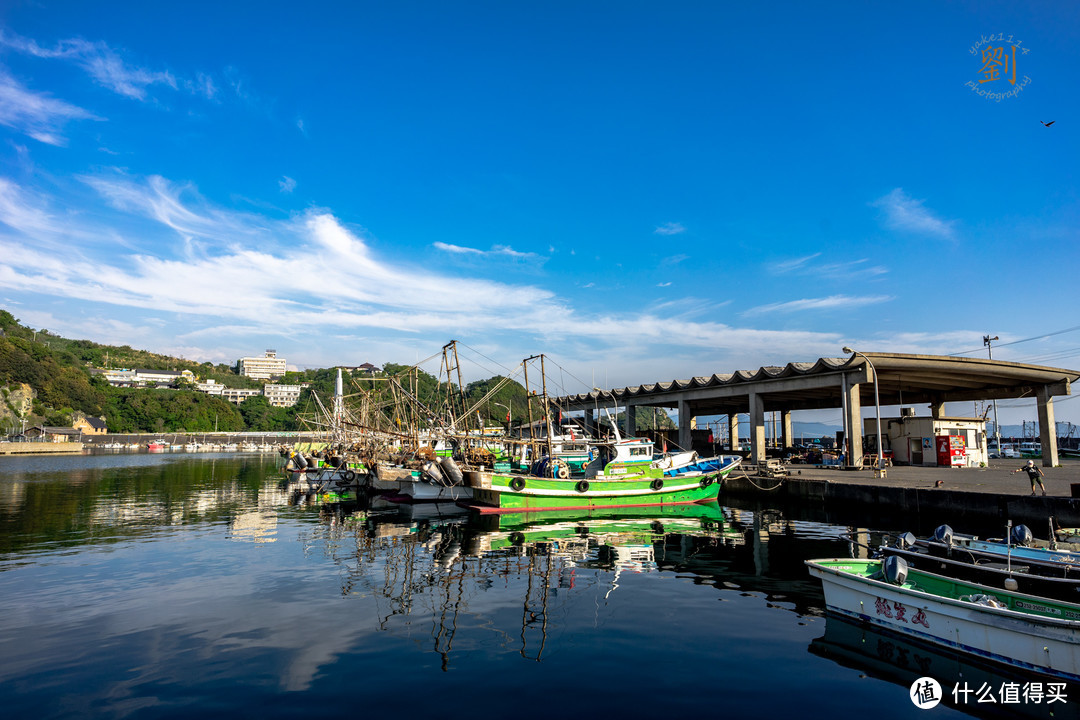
[(1035, 474)]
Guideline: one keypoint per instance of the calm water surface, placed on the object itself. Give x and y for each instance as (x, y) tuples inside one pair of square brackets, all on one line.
[(147, 586)]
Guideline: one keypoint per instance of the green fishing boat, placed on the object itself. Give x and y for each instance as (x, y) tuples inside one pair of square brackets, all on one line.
[(509, 492)]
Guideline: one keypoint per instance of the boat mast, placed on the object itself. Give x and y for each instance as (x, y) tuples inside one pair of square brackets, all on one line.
[(337, 432), (415, 378), (528, 405), (547, 407), (461, 385)]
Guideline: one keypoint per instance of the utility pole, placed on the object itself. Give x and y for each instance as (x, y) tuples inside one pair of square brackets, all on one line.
[(997, 428)]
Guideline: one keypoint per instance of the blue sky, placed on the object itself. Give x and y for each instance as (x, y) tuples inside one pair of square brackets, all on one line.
[(642, 191)]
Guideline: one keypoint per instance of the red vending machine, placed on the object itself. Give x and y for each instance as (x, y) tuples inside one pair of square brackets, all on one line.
[(951, 450)]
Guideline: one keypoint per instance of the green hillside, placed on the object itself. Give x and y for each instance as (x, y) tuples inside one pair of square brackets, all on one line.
[(46, 379)]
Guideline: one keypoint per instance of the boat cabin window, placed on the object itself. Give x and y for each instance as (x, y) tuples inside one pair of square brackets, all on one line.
[(640, 451)]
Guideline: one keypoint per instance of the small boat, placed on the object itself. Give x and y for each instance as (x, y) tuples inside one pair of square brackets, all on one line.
[(314, 477), (435, 480), (1012, 574), (1025, 631), (1020, 547), (156, 446)]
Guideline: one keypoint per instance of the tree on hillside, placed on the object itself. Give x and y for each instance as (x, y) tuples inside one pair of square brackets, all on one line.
[(259, 415), (510, 399)]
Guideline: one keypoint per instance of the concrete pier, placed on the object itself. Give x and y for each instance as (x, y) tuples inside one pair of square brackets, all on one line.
[(993, 492), (41, 448)]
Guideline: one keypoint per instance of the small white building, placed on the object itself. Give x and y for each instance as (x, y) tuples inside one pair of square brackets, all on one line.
[(210, 387), (238, 395), (929, 441)]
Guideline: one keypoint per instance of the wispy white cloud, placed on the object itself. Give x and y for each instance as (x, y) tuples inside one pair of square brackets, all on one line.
[(671, 228), (903, 212), (99, 60), (112, 70), (36, 114), (287, 184), (308, 275), (807, 266), (663, 284), (672, 260), (495, 250), (458, 249), (794, 264), (203, 84), (833, 302)]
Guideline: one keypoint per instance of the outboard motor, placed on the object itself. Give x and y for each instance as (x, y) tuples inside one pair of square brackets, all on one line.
[(1021, 536), (905, 541), (300, 461), (943, 535), (895, 570)]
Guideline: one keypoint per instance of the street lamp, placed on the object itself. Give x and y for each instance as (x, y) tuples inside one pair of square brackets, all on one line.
[(997, 429), (507, 410), (877, 405)]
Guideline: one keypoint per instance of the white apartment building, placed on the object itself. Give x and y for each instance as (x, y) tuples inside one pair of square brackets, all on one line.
[(140, 377), (282, 395), (238, 395), (262, 368)]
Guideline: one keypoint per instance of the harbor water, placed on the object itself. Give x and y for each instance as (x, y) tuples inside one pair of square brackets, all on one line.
[(173, 585)]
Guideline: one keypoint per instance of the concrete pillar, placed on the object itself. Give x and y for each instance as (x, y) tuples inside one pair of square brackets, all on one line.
[(787, 434), (685, 425), (757, 429), (629, 426), (862, 537), (854, 422), (733, 431), (937, 409), (1047, 428)]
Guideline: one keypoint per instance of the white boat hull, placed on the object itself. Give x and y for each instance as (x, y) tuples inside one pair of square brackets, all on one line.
[(1049, 645), (411, 484)]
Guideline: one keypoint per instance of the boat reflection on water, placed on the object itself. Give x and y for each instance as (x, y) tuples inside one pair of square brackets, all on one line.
[(968, 684), (430, 563)]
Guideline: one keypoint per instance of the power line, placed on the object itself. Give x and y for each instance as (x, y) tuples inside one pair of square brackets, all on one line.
[(1017, 342)]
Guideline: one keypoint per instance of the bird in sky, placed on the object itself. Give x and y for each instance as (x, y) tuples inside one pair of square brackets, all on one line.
[(1048, 124)]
